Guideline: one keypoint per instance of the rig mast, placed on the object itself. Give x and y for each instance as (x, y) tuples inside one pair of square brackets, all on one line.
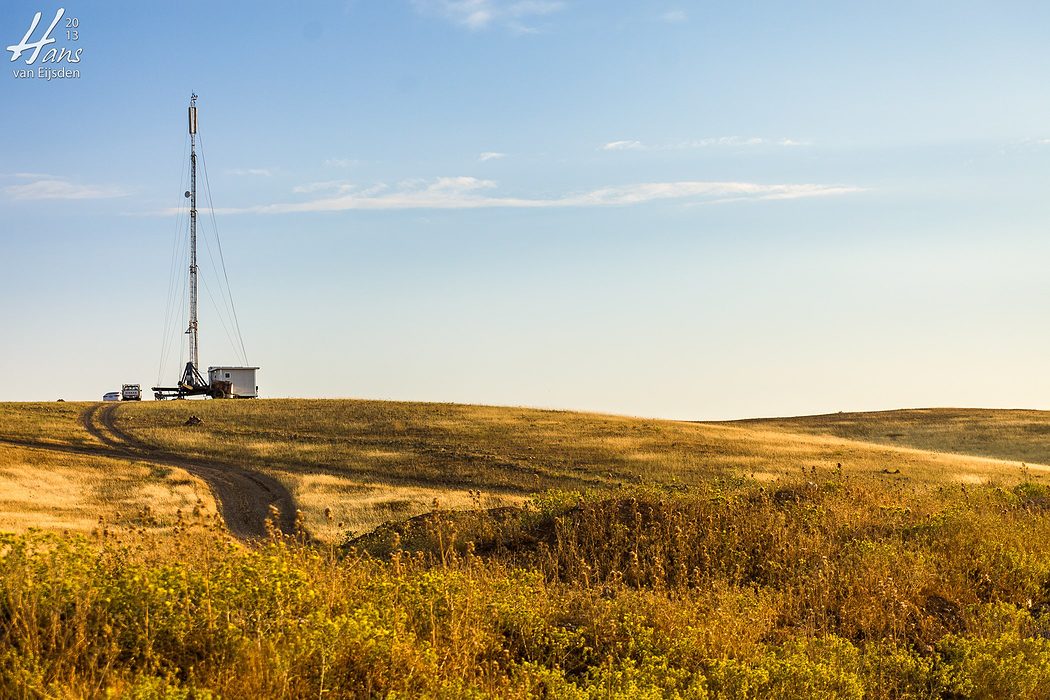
[(224, 381), (191, 377)]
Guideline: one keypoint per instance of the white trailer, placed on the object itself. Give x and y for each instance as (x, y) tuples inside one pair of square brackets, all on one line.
[(240, 381)]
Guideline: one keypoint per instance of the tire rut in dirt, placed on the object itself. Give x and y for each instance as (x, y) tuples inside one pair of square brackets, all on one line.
[(87, 419), (244, 496)]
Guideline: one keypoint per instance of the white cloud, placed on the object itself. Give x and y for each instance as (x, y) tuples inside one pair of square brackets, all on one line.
[(480, 14), (491, 155), (624, 146), (674, 16), (474, 193), (262, 172), (720, 141), (53, 187)]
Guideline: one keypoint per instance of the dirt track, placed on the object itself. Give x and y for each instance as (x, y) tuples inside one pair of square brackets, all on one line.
[(244, 496)]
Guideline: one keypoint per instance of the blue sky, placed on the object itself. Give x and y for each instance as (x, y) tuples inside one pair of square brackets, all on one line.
[(676, 209)]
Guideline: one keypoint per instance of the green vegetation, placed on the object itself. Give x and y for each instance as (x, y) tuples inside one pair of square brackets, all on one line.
[(821, 587)]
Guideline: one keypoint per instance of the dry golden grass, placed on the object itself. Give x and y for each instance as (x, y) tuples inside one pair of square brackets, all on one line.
[(57, 422), (1020, 435), (515, 449), (361, 463), (49, 490), (334, 506)]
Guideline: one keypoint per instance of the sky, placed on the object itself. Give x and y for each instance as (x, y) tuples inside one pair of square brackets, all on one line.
[(686, 210)]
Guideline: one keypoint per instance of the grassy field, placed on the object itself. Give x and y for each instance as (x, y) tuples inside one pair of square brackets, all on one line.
[(1018, 435), (40, 489), (56, 422), (845, 556), (352, 465), (369, 461)]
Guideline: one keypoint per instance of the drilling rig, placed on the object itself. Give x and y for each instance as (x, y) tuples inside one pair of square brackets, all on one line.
[(224, 381)]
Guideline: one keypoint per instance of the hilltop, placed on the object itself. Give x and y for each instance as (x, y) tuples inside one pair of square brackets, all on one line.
[(1010, 434), (350, 465)]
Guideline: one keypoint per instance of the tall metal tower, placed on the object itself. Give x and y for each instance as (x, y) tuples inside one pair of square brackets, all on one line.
[(191, 377), (225, 381)]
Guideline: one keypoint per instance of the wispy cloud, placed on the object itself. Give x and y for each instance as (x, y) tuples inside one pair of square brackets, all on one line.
[(624, 146), (32, 176), (341, 162), (723, 141), (262, 172), (43, 186), (675, 16), (325, 186), (480, 14), (1033, 144), (474, 193), (491, 155)]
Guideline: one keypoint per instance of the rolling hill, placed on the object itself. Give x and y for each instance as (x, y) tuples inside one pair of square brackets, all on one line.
[(886, 555), (351, 465)]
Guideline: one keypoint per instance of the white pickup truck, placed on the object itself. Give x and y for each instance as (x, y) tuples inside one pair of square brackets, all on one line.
[(130, 392)]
